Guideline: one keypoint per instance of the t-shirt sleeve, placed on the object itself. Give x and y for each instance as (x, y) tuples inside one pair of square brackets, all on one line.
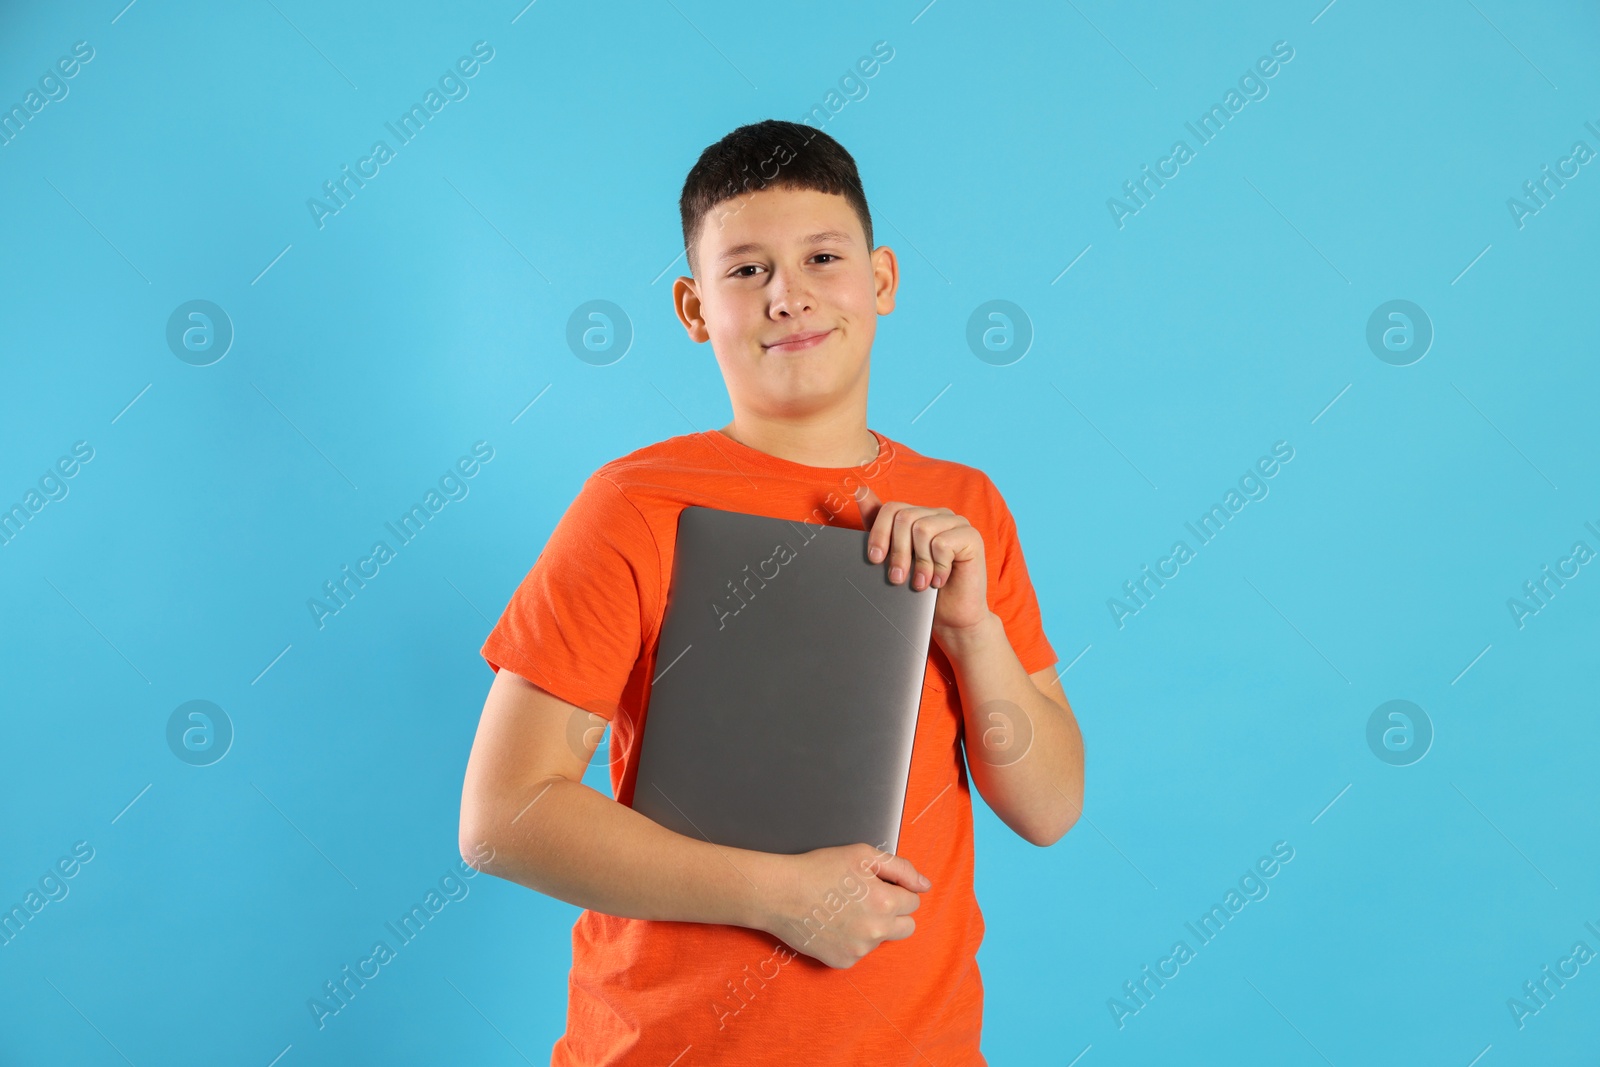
[(577, 624), (1013, 598)]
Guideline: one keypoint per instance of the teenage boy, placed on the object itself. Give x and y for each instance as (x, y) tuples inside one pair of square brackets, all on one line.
[(691, 953)]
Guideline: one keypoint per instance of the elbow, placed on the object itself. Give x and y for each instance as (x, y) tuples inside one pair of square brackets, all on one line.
[(474, 839), (487, 827), (1045, 837), (477, 852), (1045, 834)]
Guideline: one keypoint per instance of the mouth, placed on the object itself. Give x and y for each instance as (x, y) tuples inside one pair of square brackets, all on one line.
[(800, 341)]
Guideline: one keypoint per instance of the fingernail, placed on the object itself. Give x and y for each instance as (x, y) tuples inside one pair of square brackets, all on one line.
[(875, 554), (895, 574)]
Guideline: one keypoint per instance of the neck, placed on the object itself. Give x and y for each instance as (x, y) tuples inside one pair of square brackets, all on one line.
[(841, 440)]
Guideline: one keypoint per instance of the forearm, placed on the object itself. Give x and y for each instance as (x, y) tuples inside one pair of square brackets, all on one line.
[(571, 842), (1024, 750)]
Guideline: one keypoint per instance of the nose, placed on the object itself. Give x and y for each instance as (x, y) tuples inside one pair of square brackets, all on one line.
[(790, 295)]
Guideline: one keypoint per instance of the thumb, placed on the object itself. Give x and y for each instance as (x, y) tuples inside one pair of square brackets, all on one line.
[(867, 503), (898, 869)]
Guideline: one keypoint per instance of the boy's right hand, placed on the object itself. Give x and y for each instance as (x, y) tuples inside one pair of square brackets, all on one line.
[(875, 893)]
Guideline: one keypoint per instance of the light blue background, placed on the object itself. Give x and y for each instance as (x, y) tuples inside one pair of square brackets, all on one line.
[(1225, 316)]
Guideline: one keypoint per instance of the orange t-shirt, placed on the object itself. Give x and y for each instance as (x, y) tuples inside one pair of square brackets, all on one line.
[(584, 626)]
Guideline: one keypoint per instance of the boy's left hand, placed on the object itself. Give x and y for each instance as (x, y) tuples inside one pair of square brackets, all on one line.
[(931, 547)]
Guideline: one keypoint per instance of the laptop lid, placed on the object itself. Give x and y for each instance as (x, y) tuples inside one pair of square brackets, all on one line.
[(788, 679)]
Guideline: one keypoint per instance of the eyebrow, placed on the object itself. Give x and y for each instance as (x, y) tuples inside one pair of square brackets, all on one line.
[(825, 237)]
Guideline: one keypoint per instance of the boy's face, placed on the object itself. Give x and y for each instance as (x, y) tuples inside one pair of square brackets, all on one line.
[(779, 265)]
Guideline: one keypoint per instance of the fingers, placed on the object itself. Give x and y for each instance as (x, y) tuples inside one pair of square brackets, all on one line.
[(901, 928), (902, 901), (879, 526), (905, 536), (944, 557), (908, 546), (935, 541), (898, 869), (867, 505), (883, 914)]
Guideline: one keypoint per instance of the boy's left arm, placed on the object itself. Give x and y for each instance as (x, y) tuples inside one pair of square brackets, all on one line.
[(1024, 748)]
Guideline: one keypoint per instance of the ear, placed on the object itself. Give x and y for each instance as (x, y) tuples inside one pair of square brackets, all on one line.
[(867, 505), (686, 302), (885, 277)]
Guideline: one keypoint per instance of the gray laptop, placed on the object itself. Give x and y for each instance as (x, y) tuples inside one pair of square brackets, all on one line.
[(787, 684)]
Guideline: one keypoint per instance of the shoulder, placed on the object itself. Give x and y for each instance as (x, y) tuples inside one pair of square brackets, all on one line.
[(960, 487), (633, 477), (622, 494), (628, 468), (640, 493)]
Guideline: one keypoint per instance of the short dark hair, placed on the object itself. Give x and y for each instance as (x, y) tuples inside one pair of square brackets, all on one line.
[(763, 154)]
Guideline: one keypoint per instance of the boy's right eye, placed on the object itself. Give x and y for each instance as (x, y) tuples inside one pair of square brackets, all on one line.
[(748, 266)]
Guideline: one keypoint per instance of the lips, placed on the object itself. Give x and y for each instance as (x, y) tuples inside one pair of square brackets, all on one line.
[(796, 342)]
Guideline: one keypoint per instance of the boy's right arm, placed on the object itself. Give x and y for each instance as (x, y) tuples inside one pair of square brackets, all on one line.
[(526, 816)]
